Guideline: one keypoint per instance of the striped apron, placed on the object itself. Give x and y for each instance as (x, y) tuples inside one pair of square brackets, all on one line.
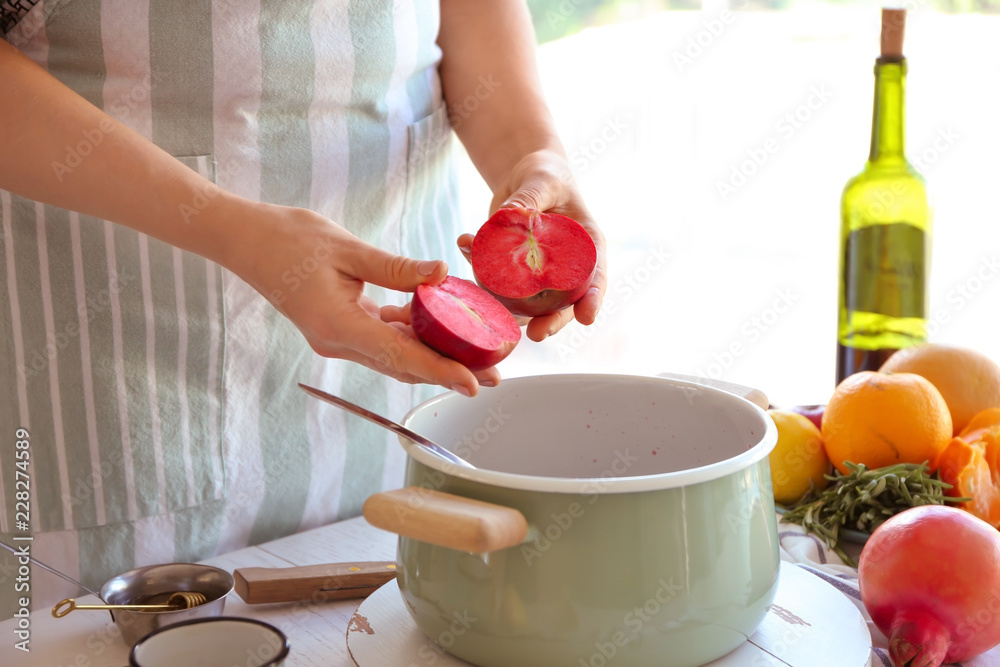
[(158, 389)]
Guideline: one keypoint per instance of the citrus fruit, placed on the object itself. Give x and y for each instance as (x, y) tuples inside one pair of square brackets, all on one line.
[(798, 458), (971, 464), (981, 423), (881, 419), (968, 380)]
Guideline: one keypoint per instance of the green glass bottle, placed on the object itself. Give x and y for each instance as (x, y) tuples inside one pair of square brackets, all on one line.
[(885, 230)]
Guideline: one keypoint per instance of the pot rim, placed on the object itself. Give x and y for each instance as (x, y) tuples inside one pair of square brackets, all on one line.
[(601, 485)]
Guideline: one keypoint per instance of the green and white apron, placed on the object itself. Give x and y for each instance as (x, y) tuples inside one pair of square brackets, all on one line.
[(159, 390)]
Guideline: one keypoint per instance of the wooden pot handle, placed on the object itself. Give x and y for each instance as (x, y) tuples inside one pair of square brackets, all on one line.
[(755, 396), (334, 581), (446, 520)]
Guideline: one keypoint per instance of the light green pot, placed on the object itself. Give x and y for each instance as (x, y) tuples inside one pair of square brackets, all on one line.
[(652, 535)]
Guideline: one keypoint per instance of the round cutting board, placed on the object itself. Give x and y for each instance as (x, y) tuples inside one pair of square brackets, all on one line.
[(809, 624)]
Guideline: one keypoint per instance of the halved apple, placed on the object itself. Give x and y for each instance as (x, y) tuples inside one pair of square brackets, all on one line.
[(463, 322), (534, 263)]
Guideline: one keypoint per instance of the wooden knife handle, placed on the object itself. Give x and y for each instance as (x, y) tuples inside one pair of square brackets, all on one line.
[(312, 583), (446, 520)]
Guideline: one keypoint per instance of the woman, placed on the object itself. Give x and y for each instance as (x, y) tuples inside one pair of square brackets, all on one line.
[(193, 196)]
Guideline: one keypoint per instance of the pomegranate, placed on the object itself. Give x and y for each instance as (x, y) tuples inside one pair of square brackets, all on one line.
[(930, 579)]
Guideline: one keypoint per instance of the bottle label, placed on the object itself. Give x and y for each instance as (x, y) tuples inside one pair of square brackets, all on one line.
[(884, 270)]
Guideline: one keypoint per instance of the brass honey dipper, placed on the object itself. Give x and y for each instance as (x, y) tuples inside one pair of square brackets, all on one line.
[(176, 602)]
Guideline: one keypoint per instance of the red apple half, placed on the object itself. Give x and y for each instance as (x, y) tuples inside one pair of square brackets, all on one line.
[(534, 263), (463, 322)]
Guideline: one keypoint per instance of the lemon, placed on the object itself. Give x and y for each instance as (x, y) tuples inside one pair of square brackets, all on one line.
[(798, 458)]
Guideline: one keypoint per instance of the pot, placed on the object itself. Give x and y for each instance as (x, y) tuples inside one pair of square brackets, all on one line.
[(609, 518)]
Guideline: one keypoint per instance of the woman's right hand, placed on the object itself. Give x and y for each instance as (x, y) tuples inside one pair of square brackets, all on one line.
[(314, 272)]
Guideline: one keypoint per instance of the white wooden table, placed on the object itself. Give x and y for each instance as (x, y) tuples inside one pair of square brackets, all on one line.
[(316, 632)]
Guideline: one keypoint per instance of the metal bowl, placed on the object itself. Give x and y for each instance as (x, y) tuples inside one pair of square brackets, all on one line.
[(153, 585)]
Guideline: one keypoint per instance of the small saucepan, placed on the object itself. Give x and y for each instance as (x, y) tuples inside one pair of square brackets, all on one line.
[(610, 519)]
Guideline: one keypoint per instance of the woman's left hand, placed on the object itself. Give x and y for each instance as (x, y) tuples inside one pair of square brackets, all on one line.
[(543, 181)]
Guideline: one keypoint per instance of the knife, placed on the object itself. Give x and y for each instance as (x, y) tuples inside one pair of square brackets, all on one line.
[(312, 583)]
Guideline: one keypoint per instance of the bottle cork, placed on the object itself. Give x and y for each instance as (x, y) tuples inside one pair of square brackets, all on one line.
[(893, 25)]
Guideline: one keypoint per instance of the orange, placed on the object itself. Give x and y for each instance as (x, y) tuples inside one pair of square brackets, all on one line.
[(968, 380), (881, 419)]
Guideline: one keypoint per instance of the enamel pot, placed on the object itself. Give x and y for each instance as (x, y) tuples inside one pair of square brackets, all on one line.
[(610, 520)]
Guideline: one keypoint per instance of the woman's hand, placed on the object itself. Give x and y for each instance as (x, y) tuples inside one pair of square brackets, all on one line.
[(543, 181), (314, 272)]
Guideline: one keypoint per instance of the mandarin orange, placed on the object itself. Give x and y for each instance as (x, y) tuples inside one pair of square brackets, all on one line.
[(971, 464)]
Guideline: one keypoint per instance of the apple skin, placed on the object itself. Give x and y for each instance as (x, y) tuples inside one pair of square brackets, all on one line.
[(545, 302), (444, 326), (813, 412)]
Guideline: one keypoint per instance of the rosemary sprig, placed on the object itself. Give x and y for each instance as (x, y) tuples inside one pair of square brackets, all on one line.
[(864, 499)]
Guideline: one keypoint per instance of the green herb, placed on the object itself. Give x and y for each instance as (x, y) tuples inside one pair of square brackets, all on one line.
[(864, 499)]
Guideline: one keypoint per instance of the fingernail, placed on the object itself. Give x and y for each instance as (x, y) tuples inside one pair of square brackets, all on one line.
[(487, 383), (466, 250), (426, 267), (462, 390)]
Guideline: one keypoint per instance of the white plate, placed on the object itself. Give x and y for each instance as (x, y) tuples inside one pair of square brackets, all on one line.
[(810, 624)]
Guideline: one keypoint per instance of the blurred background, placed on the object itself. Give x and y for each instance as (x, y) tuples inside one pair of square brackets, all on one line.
[(712, 141)]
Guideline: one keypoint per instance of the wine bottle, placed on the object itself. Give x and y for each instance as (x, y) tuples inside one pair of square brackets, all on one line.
[(885, 229)]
